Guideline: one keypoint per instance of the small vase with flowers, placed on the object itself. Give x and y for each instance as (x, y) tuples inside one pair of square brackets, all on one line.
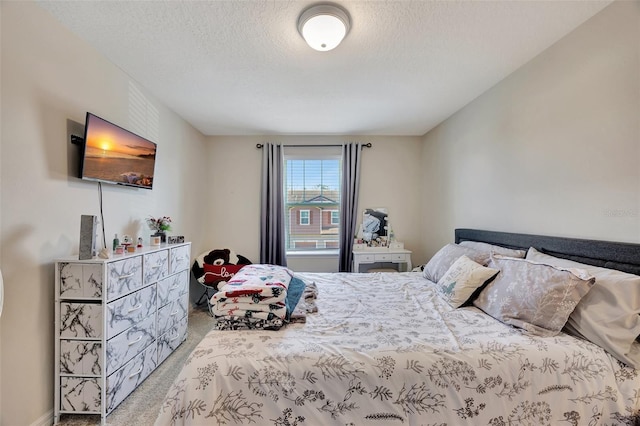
[(160, 225)]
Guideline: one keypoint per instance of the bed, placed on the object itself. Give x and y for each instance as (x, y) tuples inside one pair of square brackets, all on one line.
[(387, 348)]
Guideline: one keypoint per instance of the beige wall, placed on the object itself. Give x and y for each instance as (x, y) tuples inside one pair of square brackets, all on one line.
[(48, 78), (390, 178), (552, 149)]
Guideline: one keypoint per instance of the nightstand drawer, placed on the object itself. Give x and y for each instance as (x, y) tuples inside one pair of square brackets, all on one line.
[(366, 258), (398, 257), (383, 257)]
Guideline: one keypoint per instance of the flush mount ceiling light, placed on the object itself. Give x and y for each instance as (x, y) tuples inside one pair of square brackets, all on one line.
[(324, 26)]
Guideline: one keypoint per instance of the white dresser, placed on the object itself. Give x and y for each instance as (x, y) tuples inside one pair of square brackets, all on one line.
[(400, 257), (116, 320)]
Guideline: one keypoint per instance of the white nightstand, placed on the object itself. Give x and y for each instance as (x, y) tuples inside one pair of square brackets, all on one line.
[(400, 257)]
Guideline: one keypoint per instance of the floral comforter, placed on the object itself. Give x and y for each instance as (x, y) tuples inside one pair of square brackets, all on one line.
[(384, 349)]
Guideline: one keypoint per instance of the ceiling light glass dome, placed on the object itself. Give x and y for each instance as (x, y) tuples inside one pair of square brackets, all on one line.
[(324, 26)]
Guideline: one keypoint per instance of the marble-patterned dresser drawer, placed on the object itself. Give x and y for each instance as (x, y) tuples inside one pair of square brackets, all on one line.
[(124, 277), (130, 310), (180, 258), (81, 320), (80, 280), (172, 287), (156, 266), (80, 394), (169, 341), (80, 357), (170, 314), (128, 344), (124, 381)]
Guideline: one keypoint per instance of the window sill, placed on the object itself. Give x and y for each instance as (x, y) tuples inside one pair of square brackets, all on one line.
[(313, 253)]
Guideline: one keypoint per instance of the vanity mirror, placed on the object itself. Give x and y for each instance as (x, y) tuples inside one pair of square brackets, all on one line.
[(374, 229)]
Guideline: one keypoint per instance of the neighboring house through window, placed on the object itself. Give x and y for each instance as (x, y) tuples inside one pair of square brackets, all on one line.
[(312, 198)]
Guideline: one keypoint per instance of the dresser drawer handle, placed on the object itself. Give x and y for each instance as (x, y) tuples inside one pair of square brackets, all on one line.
[(135, 308), (156, 266), (179, 258), (174, 313), (135, 341), (173, 287), (135, 374), (174, 338), (122, 277)]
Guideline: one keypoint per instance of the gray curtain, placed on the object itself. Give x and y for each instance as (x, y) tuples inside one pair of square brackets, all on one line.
[(272, 232), (351, 159)]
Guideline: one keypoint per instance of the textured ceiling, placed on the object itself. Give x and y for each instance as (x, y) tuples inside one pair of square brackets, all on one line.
[(241, 68)]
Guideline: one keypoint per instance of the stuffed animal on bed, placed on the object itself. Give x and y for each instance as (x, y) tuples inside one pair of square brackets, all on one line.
[(217, 257)]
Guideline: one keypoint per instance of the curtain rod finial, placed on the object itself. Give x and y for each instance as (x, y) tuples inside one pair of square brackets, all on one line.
[(259, 145)]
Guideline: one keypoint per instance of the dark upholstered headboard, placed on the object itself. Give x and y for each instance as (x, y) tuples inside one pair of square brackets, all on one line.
[(621, 256)]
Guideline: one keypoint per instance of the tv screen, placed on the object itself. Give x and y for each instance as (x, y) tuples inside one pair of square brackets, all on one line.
[(112, 154)]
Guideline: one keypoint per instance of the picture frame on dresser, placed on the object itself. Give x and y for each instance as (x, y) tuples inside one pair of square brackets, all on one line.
[(116, 320)]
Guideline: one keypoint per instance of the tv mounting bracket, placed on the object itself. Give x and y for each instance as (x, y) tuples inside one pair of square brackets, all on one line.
[(76, 140)]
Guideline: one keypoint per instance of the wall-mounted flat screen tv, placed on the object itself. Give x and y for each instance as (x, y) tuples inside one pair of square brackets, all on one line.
[(112, 154)]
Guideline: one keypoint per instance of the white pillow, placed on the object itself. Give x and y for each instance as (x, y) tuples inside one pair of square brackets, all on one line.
[(609, 314), (463, 278), (493, 249)]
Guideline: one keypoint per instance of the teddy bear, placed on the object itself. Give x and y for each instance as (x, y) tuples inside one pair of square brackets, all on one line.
[(223, 257), (217, 257)]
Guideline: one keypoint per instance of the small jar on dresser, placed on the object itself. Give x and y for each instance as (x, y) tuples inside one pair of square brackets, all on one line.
[(116, 320)]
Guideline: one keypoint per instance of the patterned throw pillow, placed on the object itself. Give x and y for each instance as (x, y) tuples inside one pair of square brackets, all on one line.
[(444, 258), (463, 278), (536, 297)]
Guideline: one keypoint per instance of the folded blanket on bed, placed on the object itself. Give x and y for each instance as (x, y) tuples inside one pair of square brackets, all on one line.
[(256, 293), (232, 322), (265, 281), (242, 306), (240, 309), (255, 298)]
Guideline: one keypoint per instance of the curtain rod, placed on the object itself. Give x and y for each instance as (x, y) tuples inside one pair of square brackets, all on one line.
[(365, 145)]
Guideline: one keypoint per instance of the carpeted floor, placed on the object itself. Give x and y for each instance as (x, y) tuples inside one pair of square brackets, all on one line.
[(142, 406)]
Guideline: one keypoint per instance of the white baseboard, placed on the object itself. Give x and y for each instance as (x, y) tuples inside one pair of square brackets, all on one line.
[(45, 420)]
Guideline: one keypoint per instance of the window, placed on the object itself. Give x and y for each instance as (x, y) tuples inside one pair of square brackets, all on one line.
[(312, 199), (335, 217), (304, 217)]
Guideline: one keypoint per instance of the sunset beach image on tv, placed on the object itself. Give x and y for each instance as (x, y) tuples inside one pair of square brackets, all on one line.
[(115, 155)]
